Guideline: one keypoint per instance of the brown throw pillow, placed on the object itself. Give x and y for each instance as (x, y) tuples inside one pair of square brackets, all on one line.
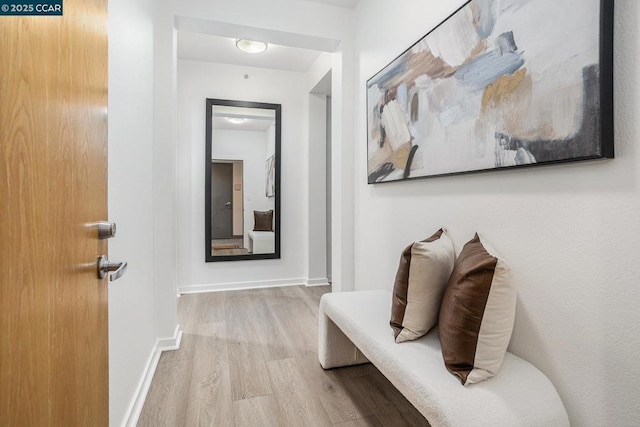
[(263, 220), (422, 276), (477, 313)]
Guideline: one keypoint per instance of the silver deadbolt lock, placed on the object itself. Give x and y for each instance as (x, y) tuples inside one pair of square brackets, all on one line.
[(106, 230), (105, 266)]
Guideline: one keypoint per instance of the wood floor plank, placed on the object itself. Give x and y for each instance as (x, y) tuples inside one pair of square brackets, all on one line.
[(211, 307), (277, 340), (300, 294), (166, 403), (316, 292), (209, 402), (311, 296), (187, 347), (247, 368), (340, 401), (300, 404), (388, 404), (300, 323), (370, 421), (187, 304), (271, 296), (194, 309), (258, 411)]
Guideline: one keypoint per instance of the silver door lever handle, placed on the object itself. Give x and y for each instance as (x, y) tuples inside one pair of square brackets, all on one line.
[(105, 266)]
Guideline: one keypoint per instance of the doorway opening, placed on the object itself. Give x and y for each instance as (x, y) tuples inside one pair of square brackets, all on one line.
[(227, 208), (320, 173)]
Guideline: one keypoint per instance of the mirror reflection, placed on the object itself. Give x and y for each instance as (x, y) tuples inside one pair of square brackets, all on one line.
[(242, 195)]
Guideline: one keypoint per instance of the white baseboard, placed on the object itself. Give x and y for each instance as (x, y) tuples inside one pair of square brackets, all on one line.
[(172, 343), (195, 289), (235, 286), (318, 282), (135, 407)]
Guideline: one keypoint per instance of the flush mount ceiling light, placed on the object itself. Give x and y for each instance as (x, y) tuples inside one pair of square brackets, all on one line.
[(236, 120), (250, 46)]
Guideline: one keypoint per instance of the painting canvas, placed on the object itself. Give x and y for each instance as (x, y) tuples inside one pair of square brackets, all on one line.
[(271, 176), (498, 84)]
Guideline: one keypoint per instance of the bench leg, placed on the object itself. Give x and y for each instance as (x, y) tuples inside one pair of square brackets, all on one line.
[(334, 348)]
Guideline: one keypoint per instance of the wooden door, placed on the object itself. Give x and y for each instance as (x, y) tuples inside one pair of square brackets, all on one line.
[(53, 186)]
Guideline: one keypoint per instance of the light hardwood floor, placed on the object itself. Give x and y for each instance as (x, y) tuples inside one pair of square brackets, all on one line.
[(249, 358)]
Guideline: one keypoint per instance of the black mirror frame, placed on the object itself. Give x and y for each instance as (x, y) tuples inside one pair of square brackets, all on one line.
[(210, 102)]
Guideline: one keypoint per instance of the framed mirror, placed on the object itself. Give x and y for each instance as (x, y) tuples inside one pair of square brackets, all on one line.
[(242, 180)]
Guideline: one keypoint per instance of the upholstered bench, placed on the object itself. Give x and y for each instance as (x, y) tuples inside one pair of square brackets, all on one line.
[(354, 329), (262, 242)]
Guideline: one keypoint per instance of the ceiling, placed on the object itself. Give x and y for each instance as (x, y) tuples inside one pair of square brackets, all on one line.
[(255, 119), (247, 123), (205, 41), (210, 48), (349, 4)]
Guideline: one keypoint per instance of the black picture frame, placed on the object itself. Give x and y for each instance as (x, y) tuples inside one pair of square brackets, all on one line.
[(401, 112)]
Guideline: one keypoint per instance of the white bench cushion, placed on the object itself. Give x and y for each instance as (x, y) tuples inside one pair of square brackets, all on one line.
[(519, 395), (261, 242)]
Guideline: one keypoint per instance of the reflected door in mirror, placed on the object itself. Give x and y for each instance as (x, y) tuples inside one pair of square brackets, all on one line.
[(222, 191)]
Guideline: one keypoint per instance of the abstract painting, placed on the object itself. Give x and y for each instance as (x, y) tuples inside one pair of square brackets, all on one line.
[(498, 84)]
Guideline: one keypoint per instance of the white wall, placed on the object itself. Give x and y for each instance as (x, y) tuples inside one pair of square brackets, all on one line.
[(319, 86), (132, 328), (164, 170), (271, 140), (317, 190), (570, 232), (196, 82), (290, 22)]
